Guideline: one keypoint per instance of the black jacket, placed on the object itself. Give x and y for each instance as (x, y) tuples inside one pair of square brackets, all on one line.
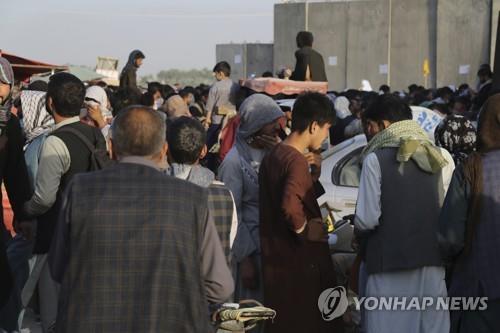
[(307, 56), (128, 76)]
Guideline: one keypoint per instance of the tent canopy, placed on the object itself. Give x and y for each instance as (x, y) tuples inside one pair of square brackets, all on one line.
[(25, 68)]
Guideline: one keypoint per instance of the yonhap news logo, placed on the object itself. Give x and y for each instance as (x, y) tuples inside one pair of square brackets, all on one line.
[(333, 303)]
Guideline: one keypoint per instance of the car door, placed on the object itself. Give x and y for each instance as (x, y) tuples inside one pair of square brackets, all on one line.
[(340, 177)]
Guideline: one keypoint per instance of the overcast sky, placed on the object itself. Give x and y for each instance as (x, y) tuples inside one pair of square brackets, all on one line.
[(172, 34)]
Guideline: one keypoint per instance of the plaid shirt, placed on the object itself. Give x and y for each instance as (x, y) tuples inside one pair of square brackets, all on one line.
[(133, 253), (220, 204)]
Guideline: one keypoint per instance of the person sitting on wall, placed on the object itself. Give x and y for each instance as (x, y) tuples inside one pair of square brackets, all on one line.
[(310, 65)]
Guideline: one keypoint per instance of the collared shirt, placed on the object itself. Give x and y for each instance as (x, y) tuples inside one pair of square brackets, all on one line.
[(368, 206), (54, 162)]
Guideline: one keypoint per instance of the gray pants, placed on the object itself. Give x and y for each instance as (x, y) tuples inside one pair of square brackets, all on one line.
[(48, 291), (426, 281)]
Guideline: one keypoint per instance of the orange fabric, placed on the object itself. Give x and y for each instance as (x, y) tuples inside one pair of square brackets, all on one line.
[(228, 136), (8, 215), (272, 86)]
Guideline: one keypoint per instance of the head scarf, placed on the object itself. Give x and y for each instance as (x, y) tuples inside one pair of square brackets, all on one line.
[(256, 111), (36, 119), (342, 107), (98, 94), (135, 54), (366, 86), (6, 72), (488, 139), (6, 77), (457, 135), (412, 143)]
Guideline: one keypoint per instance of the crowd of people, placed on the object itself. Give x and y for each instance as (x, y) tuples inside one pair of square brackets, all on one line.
[(137, 210)]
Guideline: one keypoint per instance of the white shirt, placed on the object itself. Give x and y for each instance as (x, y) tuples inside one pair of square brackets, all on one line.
[(368, 206)]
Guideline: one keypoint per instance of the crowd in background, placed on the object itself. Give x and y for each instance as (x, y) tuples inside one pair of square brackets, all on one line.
[(137, 208)]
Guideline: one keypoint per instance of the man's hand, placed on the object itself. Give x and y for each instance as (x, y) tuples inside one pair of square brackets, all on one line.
[(316, 231), (208, 120), (24, 228), (314, 160), (95, 114)]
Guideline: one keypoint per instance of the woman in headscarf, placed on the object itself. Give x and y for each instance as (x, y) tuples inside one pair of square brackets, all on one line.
[(470, 227), (128, 76), (15, 177), (457, 135), (98, 112), (257, 134)]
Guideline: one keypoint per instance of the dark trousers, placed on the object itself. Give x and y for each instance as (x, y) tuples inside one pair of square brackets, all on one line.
[(212, 159), (487, 321), (18, 253)]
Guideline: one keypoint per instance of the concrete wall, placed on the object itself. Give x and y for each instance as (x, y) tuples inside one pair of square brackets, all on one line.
[(495, 8), (228, 52), (329, 28), (463, 39), (289, 19), (448, 33), (367, 38), (259, 59), (246, 59), (413, 40)]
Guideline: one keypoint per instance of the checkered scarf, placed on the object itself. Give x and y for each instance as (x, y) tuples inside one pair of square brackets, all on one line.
[(413, 143)]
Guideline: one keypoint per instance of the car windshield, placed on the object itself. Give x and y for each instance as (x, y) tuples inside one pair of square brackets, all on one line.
[(347, 171)]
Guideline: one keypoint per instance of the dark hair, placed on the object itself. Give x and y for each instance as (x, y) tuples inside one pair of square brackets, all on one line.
[(443, 108), (186, 91), (223, 67), (352, 94), (267, 74), (463, 86), (186, 138), (124, 98), (388, 107), (38, 85), (444, 91), (304, 38), (421, 97), (312, 107), (463, 100), (139, 55), (412, 88), (101, 84), (147, 99), (67, 93), (484, 70), (154, 87), (138, 131), (168, 91), (385, 89)]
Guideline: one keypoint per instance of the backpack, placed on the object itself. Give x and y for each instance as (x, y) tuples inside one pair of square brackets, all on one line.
[(99, 158)]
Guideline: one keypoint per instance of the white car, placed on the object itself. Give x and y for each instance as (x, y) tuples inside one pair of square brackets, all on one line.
[(340, 172)]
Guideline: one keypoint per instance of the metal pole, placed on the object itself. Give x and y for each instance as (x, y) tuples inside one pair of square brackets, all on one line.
[(389, 41), (307, 16)]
